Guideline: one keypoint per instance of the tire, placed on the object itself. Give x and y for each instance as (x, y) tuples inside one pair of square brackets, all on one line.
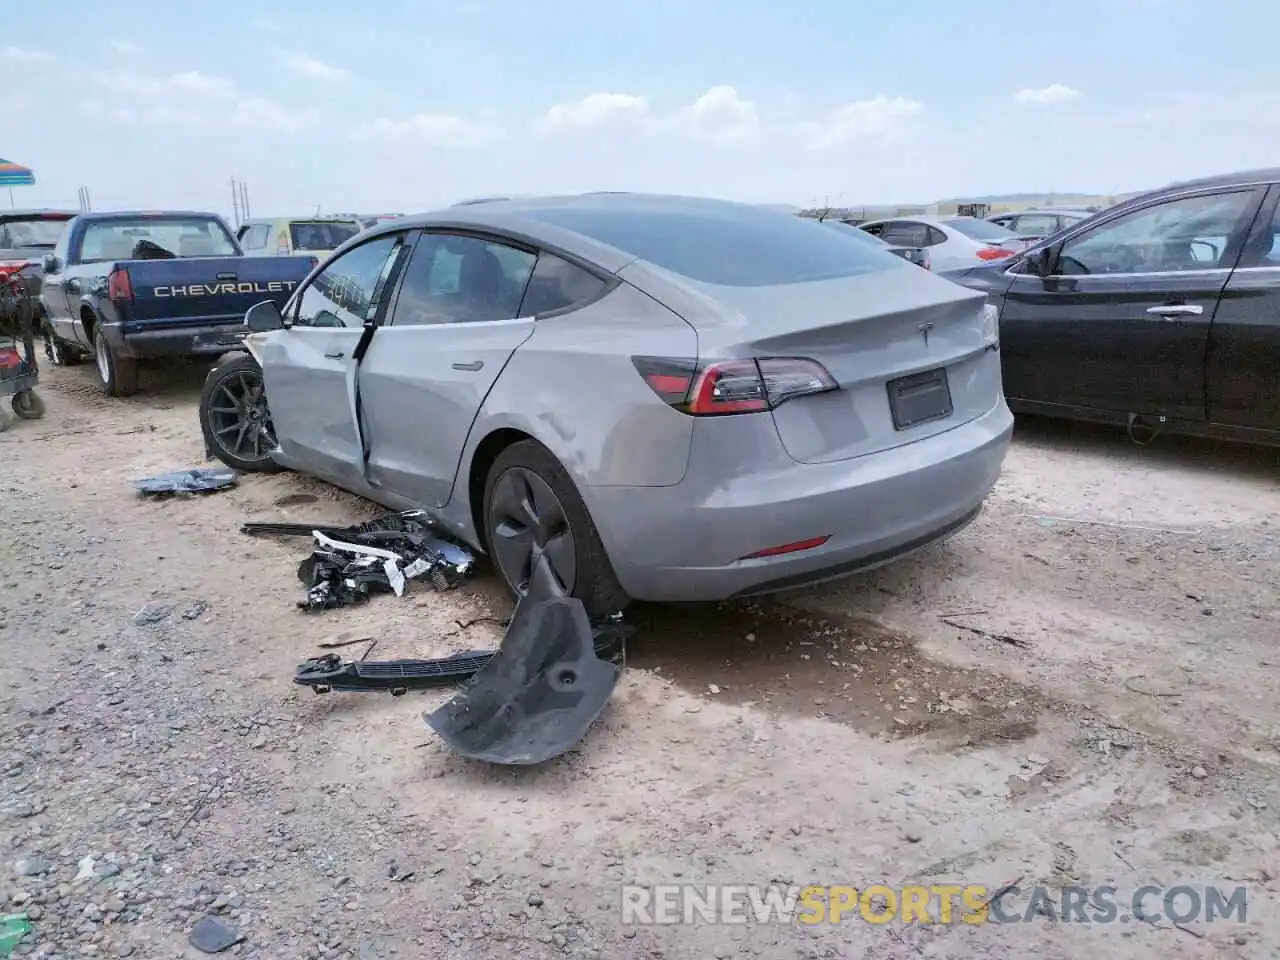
[(594, 582), (28, 405), (227, 386), (117, 375)]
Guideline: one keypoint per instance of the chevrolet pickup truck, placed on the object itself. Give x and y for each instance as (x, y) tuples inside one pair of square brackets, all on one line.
[(127, 287)]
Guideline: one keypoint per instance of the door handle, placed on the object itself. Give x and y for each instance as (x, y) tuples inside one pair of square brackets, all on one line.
[(334, 356), (472, 366), (1177, 310)]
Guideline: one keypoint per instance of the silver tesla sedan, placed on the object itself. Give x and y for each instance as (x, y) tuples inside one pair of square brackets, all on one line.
[(676, 399)]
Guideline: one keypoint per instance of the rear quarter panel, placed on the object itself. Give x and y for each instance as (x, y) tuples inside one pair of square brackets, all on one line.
[(573, 387)]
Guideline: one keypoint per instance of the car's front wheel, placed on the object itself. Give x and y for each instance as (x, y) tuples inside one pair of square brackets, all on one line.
[(234, 417), (532, 508)]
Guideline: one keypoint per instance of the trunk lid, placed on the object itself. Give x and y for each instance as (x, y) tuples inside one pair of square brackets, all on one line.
[(908, 349), (199, 291)]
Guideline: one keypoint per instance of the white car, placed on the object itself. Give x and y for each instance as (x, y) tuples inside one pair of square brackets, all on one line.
[(952, 243)]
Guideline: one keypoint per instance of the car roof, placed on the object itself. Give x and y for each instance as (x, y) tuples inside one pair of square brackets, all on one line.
[(121, 214), (1049, 211), (521, 217), (36, 212)]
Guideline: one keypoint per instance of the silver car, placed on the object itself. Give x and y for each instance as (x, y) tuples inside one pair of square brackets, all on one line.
[(676, 399), (951, 242)]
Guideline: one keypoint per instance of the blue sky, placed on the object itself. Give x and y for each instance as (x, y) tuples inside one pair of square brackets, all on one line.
[(409, 104)]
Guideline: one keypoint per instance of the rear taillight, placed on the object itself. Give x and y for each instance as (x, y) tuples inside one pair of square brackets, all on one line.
[(119, 286), (733, 386), (9, 358), (994, 253)]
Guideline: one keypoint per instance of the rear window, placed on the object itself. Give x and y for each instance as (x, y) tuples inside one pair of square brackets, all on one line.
[(322, 235), (853, 233), (150, 238), (725, 245), (37, 232), (980, 229)]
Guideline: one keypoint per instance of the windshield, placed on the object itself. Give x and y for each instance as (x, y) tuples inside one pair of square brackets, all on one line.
[(155, 238), (321, 234), (37, 232), (980, 229), (722, 243)]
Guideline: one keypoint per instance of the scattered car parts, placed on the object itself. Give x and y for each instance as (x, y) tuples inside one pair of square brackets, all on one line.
[(199, 480), (540, 693), (348, 564)]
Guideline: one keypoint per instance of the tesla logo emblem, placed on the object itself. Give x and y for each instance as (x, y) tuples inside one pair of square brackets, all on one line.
[(924, 329)]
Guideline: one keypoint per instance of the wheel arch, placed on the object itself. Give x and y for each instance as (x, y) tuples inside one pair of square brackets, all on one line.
[(89, 322), (487, 451)]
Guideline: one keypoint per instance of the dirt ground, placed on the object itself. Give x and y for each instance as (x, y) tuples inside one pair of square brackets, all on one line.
[(1080, 689)]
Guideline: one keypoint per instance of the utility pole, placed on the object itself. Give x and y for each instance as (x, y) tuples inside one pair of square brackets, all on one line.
[(83, 198)]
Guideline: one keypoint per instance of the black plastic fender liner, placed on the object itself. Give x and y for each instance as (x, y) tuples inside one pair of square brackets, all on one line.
[(542, 690)]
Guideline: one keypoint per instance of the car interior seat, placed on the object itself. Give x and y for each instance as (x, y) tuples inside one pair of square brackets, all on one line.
[(480, 284)]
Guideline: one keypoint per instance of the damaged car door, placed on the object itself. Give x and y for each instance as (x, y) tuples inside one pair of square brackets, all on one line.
[(451, 329), (309, 368)]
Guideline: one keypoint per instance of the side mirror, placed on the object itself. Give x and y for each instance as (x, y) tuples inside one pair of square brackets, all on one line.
[(50, 263), (263, 317), (1040, 262)]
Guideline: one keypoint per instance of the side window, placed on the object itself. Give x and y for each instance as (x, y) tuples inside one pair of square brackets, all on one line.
[(453, 279), (1035, 225), (934, 237), (557, 284), (255, 237), (1191, 233), (875, 229), (1263, 247), (346, 292), (906, 233)]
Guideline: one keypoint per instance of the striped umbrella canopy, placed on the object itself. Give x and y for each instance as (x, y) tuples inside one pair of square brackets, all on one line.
[(15, 175)]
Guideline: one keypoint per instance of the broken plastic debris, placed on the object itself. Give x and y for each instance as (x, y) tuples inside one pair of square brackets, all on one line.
[(540, 693), (212, 935), (348, 564), (199, 480), (13, 927)]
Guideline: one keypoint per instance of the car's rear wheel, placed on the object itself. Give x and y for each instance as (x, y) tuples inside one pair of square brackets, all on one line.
[(234, 417), (118, 375), (531, 508)]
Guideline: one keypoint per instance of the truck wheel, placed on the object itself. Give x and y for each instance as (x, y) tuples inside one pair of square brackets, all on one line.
[(118, 375), (234, 417)]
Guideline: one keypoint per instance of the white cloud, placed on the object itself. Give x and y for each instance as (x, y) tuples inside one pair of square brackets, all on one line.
[(130, 84), (311, 67), (1054, 93), (262, 114), (719, 115), (860, 120), (436, 129), (127, 48), (592, 111), (25, 55), (201, 83), (154, 116)]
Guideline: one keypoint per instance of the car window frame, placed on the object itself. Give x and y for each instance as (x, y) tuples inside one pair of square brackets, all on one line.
[(608, 281), (294, 305), (1268, 219), (1230, 254), (423, 233), (611, 282)]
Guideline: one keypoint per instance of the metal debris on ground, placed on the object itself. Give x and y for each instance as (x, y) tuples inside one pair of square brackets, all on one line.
[(199, 480), (349, 564)]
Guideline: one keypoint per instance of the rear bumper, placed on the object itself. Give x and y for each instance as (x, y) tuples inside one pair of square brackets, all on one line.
[(196, 341), (684, 542)]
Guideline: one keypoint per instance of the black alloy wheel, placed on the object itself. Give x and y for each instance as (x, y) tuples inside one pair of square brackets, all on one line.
[(235, 419), (526, 520)]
